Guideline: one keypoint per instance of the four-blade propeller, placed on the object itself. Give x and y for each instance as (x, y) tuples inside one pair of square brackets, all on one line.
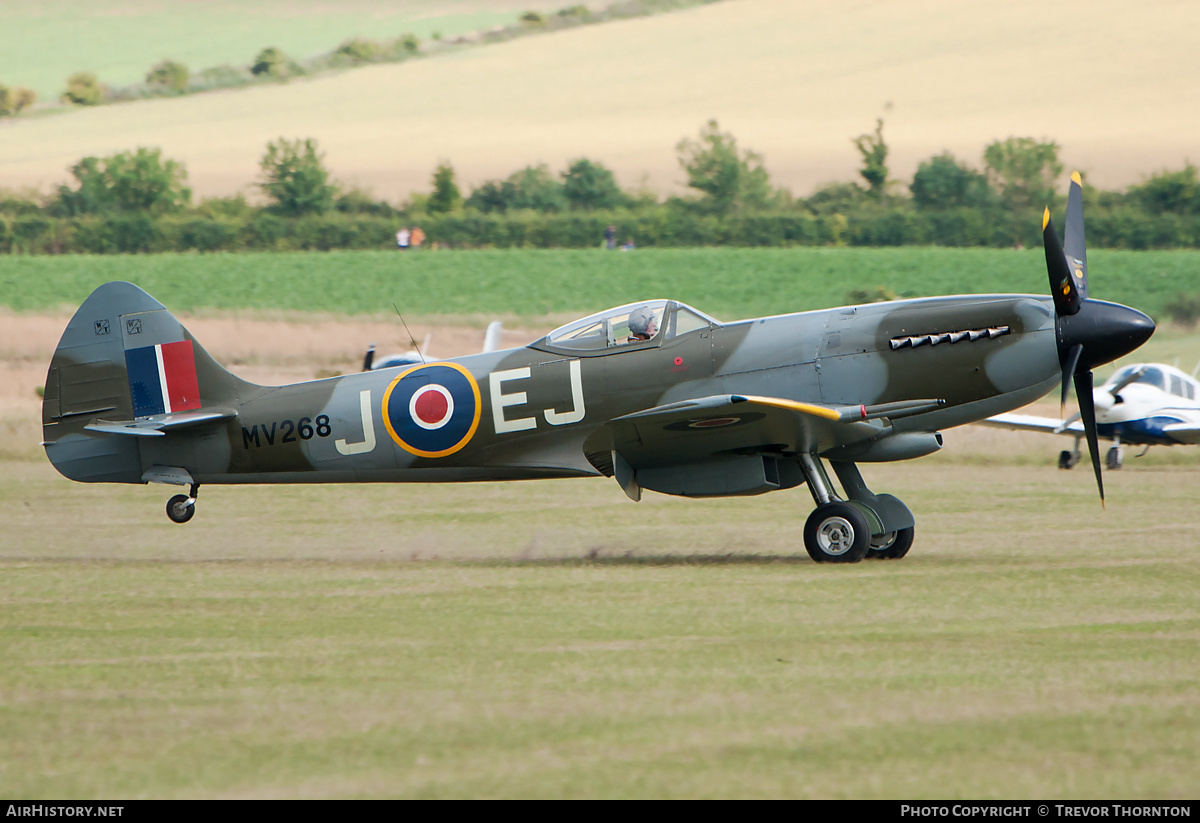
[(1090, 332)]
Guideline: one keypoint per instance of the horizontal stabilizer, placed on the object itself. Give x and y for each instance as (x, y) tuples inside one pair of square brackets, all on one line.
[(160, 424)]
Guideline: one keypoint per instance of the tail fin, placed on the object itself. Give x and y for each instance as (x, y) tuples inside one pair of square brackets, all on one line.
[(125, 366)]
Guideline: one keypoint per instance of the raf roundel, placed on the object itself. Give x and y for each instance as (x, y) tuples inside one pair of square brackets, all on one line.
[(432, 410)]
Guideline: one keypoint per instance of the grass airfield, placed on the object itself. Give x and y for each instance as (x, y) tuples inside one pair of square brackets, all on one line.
[(552, 639)]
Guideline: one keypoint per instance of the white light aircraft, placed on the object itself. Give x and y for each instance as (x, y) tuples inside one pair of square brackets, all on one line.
[(1148, 404)]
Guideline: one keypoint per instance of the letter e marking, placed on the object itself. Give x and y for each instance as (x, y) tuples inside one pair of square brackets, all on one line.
[(501, 400)]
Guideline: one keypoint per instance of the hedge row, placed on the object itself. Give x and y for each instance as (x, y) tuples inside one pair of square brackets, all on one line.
[(1123, 228)]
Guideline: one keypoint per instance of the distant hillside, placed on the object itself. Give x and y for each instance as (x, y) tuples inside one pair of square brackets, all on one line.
[(43, 42), (1114, 82)]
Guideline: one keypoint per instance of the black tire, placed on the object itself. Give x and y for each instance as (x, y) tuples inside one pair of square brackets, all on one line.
[(890, 546), (1066, 460), (837, 533), (1112, 460), (179, 510)]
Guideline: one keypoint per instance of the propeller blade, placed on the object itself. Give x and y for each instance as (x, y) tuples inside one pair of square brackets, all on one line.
[(1087, 410), (1074, 246), (1069, 365), (1062, 286)]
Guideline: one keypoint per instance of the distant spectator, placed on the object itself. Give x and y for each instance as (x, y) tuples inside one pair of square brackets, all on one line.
[(610, 238), (402, 238), (418, 237), (628, 245)]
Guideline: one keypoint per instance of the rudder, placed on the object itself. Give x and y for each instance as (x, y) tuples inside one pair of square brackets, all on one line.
[(123, 358)]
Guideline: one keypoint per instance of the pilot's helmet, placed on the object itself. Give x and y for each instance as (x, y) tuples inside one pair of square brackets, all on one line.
[(640, 320)]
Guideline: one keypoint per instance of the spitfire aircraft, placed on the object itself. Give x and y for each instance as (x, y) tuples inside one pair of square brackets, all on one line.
[(1148, 404), (655, 394)]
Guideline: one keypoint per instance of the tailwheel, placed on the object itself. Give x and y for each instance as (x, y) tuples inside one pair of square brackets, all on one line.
[(182, 507), (837, 532), (890, 546)]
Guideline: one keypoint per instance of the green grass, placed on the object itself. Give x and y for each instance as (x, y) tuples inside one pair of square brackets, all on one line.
[(727, 283), (552, 639), (42, 43)]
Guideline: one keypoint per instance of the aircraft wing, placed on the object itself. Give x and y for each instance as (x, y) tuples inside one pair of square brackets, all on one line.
[(692, 431), (1183, 432), (1028, 422)]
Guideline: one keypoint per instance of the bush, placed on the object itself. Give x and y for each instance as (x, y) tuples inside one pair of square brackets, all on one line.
[(404, 46), (295, 178), (357, 201), (356, 51), (893, 227), (14, 99), (129, 181), (83, 89), (30, 234), (208, 235), (271, 62), (266, 231), (169, 77)]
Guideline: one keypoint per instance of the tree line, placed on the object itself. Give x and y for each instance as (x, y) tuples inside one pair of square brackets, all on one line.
[(139, 201)]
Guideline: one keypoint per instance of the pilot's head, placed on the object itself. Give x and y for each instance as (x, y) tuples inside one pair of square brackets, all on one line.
[(642, 323)]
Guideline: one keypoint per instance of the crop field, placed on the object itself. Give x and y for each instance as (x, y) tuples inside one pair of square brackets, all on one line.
[(794, 80), (550, 286), (552, 639), (42, 43)]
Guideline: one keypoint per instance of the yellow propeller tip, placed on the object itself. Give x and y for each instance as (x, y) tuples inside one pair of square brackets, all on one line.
[(1045, 218), (1076, 179)]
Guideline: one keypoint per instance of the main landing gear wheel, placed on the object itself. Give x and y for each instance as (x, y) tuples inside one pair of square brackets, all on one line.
[(891, 546), (1113, 459), (837, 533), (1067, 460)]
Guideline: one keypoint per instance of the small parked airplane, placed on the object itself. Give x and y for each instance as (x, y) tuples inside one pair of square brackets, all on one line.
[(655, 394), (1149, 404)]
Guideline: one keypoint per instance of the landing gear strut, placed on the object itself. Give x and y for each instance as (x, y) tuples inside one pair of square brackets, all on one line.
[(182, 507), (864, 525), (1114, 458)]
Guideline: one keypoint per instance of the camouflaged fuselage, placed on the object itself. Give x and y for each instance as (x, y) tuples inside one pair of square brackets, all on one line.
[(528, 412)]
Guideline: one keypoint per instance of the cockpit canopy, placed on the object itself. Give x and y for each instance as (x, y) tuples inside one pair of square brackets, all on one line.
[(626, 327)]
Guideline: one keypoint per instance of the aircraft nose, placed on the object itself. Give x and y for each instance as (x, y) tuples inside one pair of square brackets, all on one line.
[(1106, 330)]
